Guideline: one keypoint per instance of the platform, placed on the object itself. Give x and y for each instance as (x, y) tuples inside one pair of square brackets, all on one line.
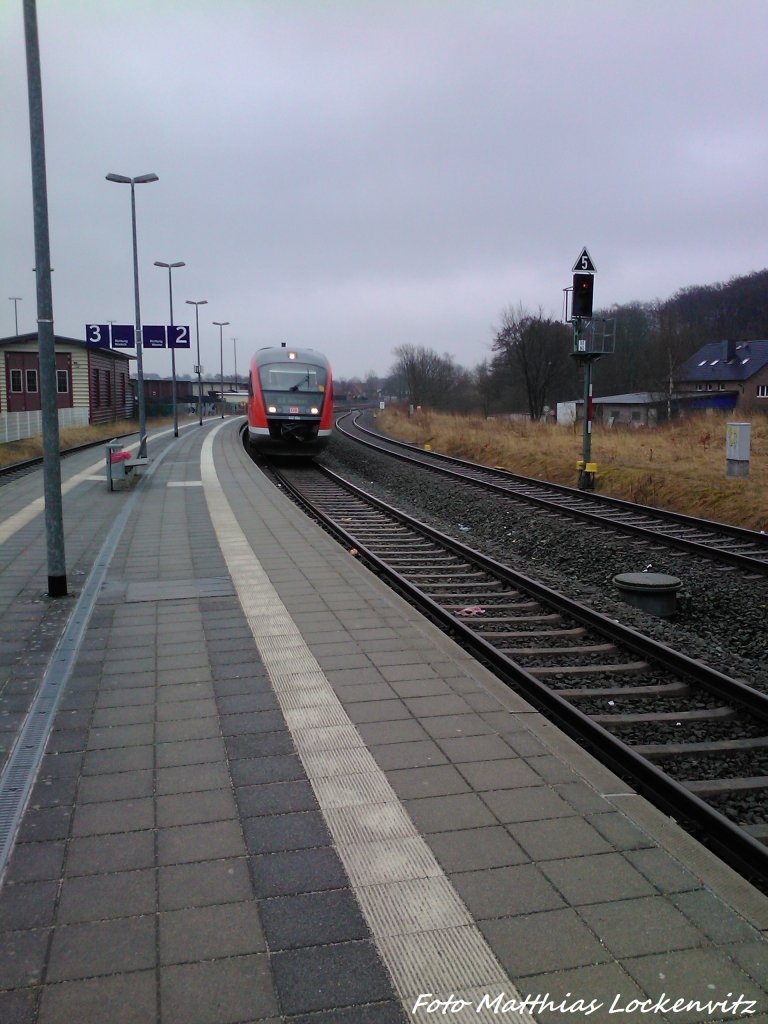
[(273, 792)]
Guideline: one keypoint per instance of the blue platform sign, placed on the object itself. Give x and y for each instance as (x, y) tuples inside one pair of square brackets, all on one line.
[(178, 337), (123, 336), (97, 335), (153, 336)]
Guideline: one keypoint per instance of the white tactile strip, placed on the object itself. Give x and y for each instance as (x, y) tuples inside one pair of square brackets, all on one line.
[(424, 933)]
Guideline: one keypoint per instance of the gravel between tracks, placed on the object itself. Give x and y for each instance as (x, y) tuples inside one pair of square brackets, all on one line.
[(721, 613)]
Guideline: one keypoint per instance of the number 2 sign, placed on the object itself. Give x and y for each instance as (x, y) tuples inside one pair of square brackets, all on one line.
[(178, 337)]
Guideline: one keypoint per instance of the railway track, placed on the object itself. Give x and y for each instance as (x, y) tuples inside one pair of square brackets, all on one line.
[(16, 469), (729, 545), (694, 740)]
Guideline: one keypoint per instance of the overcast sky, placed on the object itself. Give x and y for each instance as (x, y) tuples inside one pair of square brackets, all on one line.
[(352, 176)]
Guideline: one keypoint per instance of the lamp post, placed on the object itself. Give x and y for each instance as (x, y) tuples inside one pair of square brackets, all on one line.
[(170, 267), (46, 339), (234, 348), (200, 302), (141, 180), (221, 324), (15, 299)]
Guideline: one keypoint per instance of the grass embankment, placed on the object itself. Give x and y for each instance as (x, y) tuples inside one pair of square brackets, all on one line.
[(32, 447), (679, 467)]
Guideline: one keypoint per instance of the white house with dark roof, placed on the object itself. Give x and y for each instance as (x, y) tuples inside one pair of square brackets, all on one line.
[(726, 375), (635, 409)]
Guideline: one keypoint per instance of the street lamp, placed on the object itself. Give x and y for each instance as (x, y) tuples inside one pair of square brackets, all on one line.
[(234, 347), (201, 302), (221, 324), (141, 180), (170, 267), (15, 299)]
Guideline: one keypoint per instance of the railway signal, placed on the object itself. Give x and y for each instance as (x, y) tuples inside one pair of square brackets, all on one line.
[(583, 291), (592, 338)]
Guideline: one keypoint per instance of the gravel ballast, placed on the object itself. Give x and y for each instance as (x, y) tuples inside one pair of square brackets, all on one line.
[(721, 612)]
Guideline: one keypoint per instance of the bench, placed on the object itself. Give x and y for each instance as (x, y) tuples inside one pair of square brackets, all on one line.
[(121, 465)]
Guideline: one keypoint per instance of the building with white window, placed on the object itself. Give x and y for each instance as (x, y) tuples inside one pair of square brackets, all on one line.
[(93, 385), (726, 375)]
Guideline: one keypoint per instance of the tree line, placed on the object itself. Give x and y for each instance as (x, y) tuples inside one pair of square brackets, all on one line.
[(530, 367)]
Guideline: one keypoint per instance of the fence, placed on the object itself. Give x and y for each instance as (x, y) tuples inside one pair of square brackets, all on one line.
[(15, 426)]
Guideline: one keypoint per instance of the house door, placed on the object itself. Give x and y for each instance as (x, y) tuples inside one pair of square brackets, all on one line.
[(22, 381)]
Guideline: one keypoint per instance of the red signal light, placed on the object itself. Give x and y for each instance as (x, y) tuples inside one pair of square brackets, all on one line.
[(583, 288)]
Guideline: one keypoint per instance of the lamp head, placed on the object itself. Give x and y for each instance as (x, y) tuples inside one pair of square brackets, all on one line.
[(123, 180)]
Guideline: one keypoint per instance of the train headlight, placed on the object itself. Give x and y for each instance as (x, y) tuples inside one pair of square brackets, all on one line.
[(271, 408), (314, 410)]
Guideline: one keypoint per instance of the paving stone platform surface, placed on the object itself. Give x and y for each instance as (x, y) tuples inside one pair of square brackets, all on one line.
[(273, 793)]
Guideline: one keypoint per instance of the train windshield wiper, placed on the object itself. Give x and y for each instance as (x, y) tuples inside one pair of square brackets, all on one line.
[(304, 380)]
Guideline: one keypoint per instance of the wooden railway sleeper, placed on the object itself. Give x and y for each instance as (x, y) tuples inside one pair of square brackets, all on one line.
[(554, 617), (716, 787), (445, 575), (678, 689), (535, 652), (702, 715), (582, 670), (702, 748), (528, 634)]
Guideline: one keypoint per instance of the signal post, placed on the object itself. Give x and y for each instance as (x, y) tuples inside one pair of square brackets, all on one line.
[(592, 338)]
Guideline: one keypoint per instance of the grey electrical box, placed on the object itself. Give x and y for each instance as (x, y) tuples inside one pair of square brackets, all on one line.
[(738, 443)]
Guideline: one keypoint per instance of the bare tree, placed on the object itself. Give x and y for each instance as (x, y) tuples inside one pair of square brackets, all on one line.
[(674, 343), (486, 386), (534, 349), (430, 378)]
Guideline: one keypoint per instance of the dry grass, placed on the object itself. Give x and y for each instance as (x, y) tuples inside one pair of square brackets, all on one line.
[(679, 467), (32, 447)]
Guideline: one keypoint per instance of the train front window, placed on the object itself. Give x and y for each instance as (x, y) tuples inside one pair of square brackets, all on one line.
[(292, 378)]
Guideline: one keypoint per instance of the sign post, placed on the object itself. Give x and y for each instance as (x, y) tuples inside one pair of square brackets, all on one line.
[(584, 351)]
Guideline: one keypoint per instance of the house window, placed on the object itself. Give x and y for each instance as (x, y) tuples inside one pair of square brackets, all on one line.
[(636, 415), (762, 390), (32, 381), (699, 387), (62, 382), (709, 387), (721, 387), (16, 386)]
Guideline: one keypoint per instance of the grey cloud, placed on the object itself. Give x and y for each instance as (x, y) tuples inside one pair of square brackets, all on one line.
[(358, 176)]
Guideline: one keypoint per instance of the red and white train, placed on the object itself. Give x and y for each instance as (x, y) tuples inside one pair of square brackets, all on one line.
[(290, 401)]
